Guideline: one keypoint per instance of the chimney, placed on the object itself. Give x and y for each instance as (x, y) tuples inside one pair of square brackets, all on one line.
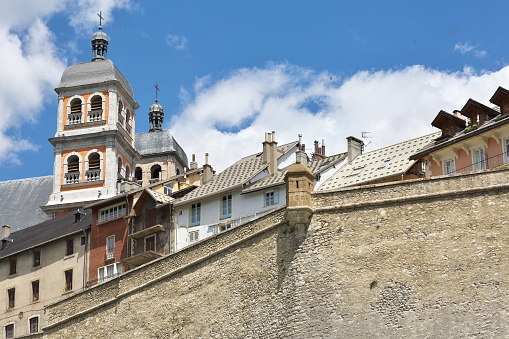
[(303, 149), (193, 164), (355, 147), (6, 231), (323, 147), (270, 152), (316, 147), (78, 216), (208, 173), (302, 158)]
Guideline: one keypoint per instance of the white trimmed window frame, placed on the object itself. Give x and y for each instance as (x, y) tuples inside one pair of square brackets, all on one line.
[(111, 212), (83, 106), (479, 165), (102, 272), (88, 155), (38, 324), (271, 197), (446, 166), (193, 236), (89, 101), (79, 165)]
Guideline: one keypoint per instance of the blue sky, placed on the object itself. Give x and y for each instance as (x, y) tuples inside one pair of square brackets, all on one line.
[(231, 70)]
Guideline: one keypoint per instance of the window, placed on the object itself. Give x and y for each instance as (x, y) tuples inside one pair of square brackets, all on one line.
[(168, 188), (12, 266), (271, 197), (94, 167), (37, 258), (69, 247), (75, 114), (34, 325), (112, 212), (194, 236), (150, 243), (83, 240), (195, 214), (11, 294), (96, 103), (356, 170), (68, 280), (506, 151), (9, 331), (384, 163), (479, 159), (155, 172), (226, 206), (449, 166), (110, 247), (109, 271), (138, 173), (119, 168), (35, 290)]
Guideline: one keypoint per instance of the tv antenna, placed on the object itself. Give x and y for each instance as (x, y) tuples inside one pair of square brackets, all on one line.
[(364, 136)]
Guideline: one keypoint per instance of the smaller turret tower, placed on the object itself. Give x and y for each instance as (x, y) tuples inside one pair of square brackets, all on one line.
[(99, 42)]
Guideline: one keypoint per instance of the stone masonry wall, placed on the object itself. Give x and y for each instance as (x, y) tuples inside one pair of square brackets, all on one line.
[(425, 258)]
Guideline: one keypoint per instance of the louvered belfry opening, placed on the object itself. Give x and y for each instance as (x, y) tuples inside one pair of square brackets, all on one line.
[(94, 161), (96, 103), (73, 164), (75, 106)]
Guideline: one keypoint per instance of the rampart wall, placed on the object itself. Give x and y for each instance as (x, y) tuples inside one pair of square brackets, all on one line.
[(425, 258)]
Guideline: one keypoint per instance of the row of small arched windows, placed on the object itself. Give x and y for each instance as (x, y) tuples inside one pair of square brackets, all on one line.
[(76, 110)]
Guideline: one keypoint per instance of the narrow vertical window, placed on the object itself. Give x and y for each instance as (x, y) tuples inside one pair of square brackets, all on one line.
[(34, 325), (110, 247), (35, 290), (11, 296), (68, 280), (150, 243), (9, 331), (69, 247), (195, 214), (226, 206), (12, 266), (37, 258)]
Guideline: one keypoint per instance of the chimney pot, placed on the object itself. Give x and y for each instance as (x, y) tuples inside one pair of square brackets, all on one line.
[(6, 231)]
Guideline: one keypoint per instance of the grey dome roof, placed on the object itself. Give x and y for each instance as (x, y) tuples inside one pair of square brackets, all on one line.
[(100, 35), (158, 142), (94, 72)]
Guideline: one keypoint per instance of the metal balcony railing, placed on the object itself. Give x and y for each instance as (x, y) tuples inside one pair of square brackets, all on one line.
[(93, 175), (110, 253), (487, 163), (72, 177)]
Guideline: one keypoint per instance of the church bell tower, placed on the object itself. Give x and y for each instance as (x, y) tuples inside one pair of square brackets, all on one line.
[(94, 139)]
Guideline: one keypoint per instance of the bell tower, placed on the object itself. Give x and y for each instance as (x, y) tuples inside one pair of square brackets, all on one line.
[(94, 139)]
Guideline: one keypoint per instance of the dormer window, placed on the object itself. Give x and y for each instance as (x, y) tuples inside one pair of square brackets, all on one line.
[(76, 112)]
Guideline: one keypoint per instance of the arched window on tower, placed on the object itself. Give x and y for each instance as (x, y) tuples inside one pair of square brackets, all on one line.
[(119, 169), (72, 175), (75, 114), (96, 109), (138, 175), (94, 167), (121, 112), (155, 173), (127, 172), (128, 121)]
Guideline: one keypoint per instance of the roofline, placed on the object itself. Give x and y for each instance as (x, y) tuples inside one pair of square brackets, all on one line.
[(261, 188), (469, 135), (210, 195), (46, 242)]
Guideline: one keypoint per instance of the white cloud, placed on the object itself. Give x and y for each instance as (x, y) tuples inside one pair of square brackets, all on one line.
[(179, 42), (228, 117), (29, 64), (466, 47)]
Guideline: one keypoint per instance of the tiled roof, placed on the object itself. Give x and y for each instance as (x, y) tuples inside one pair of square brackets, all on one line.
[(94, 72), (158, 142), (20, 201), (44, 232), (160, 197), (233, 176), (435, 145), (315, 166), (373, 166)]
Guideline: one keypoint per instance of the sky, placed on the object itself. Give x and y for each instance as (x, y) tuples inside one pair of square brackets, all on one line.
[(229, 71)]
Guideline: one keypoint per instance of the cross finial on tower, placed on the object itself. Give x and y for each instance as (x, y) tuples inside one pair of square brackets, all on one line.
[(100, 19), (157, 89)]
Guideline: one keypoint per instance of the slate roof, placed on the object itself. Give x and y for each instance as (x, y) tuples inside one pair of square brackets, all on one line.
[(20, 201), (158, 142), (160, 197), (369, 167), (94, 72), (435, 145), (315, 166), (234, 176), (45, 232)]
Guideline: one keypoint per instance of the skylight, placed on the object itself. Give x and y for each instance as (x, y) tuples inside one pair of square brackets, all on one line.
[(384, 163)]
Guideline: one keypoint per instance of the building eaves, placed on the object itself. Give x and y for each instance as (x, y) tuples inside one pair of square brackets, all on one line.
[(434, 146), (45, 232)]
